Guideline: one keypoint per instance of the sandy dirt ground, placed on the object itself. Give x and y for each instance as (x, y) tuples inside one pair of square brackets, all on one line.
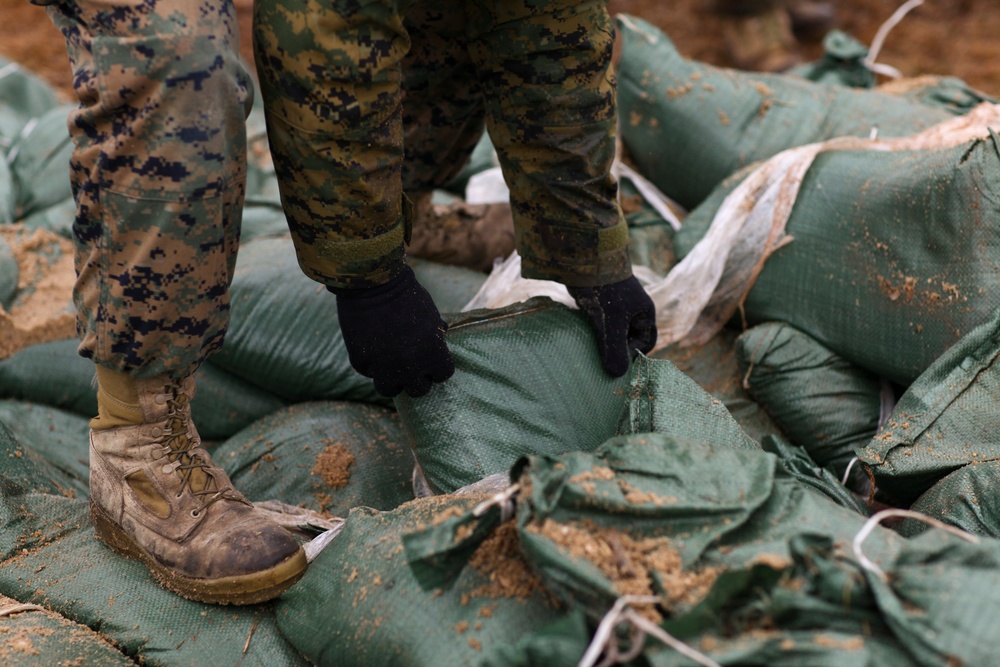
[(955, 37)]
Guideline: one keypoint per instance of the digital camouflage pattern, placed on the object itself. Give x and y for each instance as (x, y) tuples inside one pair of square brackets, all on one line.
[(344, 82), (158, 170), (158, 174)]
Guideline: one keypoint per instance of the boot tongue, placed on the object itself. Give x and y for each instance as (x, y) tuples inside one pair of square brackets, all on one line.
[(198, 480)]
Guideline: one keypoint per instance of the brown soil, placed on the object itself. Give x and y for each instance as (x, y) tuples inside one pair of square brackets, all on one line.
[(500, 558), (333, 465), (954, 37)]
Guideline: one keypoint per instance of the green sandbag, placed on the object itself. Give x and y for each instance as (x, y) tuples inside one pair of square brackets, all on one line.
[(966, 499), (688, 125), (944, 421), (59, 441), (23, 96), (715, 368), (842, 64), (39, 163), (650, 241), (54, 374), (57, 219), (822, 402), (529, 380), (283, 331), (9, 273), (359, 603), (886, 266), (325, 456), (451, 287), (35, 637)]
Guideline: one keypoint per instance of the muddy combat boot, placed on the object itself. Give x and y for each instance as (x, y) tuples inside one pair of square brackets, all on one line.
[(461, 234), (156, 496), (761, 42)]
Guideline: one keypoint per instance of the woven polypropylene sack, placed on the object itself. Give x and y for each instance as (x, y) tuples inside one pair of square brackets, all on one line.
[(23, 96), (966, 499), (360, 604), (325, 456), (714, 366), (35, 636), (38, 160), (886, 266), (688, 125), (55, 374), (822, 402), (57, 440), (528, 378), (451, 287), (944, 421)]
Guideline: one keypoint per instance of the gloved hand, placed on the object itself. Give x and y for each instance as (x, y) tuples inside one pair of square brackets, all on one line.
[(395, 335), (624, 318)]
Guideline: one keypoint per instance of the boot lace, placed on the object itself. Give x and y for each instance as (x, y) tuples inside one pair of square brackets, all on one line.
[(194, 470)]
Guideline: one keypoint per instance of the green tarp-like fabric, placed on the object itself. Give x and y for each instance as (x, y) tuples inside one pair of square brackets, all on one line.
[(58, 441), (887, 267), (39, 163), (34, 637), (23, 96), (944, 421), (325, 456), (360, 605), (528, 379), (822, 402), (689, 125)]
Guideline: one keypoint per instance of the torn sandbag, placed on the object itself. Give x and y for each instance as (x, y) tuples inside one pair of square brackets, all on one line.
[(824, 404), (360, 604), (55, 374), (946, 419), (328, 456), (689, 125), (878, 260)]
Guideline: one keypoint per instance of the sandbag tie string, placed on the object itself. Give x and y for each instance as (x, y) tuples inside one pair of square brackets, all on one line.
[(879, 517), (18, 608), (603, 641), (504, 500)]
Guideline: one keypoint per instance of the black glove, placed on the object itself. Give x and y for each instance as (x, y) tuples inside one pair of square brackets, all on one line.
[(395, 335), (624, 318)]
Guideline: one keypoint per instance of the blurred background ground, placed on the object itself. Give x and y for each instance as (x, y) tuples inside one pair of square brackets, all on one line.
[(952, 37)]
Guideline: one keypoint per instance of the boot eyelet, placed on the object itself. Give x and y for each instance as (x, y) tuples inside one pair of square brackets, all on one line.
[(195, 514)]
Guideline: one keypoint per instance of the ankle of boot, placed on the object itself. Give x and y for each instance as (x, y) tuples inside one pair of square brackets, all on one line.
[(117, 400)]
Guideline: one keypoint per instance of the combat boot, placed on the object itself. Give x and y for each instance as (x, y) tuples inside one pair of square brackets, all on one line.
[(461, 234), (156, 496)]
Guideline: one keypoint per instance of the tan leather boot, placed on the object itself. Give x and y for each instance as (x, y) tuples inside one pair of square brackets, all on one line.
[(156, 496), (461, 234)]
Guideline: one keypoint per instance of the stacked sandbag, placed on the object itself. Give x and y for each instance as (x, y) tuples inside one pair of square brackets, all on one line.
[(688, 125), (327, 456), (39, 163), (709, 528), (361, 604), (823, 403), (887, 256), (946, 420), (528, 379)]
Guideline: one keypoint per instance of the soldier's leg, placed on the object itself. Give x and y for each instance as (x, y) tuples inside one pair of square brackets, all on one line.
[(158, 176), (443, 118), (330, 75), (550, 99)]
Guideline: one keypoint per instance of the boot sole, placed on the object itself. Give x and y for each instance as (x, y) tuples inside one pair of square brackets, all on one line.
[(237, 590)]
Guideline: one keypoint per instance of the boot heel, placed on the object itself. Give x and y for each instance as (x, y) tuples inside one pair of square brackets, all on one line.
[(109, 533)]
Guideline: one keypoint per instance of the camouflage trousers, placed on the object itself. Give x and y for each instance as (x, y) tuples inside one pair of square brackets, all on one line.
[(158, 173), (364, 101)]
